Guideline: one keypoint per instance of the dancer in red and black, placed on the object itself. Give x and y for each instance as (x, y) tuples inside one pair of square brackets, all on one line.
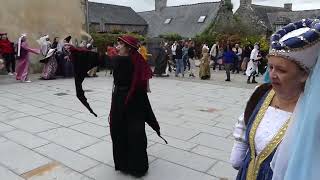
[(131, 109), (130, 106)]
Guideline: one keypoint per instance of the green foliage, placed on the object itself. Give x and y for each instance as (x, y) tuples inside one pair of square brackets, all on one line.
[(101, 40), (251, 40), (232, 33), (117, 31), (209, 38), (171, 37), (228, 5)]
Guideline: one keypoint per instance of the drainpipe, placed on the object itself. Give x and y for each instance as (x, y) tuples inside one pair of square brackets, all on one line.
[(87, 16)]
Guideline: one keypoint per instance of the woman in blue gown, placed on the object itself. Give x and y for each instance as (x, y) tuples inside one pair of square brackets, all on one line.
[(273, 108)]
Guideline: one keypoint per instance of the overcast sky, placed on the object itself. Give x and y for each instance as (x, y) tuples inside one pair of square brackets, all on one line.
[(145, 5)]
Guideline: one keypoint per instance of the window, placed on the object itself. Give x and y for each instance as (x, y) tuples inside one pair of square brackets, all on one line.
[(168, 21), (202, 19)]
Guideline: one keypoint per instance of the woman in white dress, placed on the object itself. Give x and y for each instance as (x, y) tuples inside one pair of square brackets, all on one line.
[(274, 107)]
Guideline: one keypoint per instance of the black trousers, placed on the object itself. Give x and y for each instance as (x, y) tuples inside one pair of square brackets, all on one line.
[(228, 67), (215, 60), (10, 62), (253, 75), (235, 66)]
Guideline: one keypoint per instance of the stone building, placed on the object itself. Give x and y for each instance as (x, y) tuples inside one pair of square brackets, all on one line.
[(186, 20), (256, 16), (280, 19), (267, 19), (109, 18), (38, 17)]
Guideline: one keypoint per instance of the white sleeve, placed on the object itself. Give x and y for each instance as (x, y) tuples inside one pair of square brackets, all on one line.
[(238, 154), (254, 54), (212, 50), (240, 51), (251, 55), (240, 147)]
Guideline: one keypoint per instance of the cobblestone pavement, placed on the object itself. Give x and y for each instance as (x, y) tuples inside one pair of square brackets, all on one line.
[(46, 134)]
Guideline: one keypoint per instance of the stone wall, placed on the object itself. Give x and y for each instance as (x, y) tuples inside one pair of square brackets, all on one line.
[(38, 17)]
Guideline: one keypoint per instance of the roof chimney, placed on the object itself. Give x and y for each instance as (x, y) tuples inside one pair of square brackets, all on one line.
[(288, 6), (160, 5), (245, 3)]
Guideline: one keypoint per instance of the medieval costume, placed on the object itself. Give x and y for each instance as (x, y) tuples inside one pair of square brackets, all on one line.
[(298, 155), (236, 64), (205, 65), (130, 106), (130, 110), (65, 67), (92, 72), (252, 67), (167, 51), (50, 65), (272, 144), (144, 52), (161, 62), (7, 52), (23, 59), (45, 45), (192, 55), (111, 52)]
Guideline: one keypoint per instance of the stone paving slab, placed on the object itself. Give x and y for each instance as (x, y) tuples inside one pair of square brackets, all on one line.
[(7, 174), (67, 157), (43, 123), (26, 139), (69, 138), (18, 158)]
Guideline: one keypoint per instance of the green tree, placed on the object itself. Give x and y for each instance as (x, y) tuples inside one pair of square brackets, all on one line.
[(101, 40), (171, 37)]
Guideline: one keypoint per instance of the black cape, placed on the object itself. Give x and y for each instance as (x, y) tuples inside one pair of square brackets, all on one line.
[(83, 61)]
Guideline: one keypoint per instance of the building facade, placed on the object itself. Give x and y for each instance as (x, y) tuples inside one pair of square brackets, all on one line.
[(109, 18), (58, 18), (185, 20)]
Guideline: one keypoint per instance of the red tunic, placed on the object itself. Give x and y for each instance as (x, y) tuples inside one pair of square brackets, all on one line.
[(6, 47)]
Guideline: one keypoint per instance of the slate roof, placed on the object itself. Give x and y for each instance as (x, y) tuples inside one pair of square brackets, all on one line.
[(292, 16), (262, 13), (185, 19), (114, 14)]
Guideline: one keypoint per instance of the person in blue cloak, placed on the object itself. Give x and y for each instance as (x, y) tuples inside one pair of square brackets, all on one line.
[(283, 114)]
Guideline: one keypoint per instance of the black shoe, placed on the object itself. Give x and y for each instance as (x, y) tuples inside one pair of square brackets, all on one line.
[(248, 81), (254, 82), (228, 80), (138, 174)]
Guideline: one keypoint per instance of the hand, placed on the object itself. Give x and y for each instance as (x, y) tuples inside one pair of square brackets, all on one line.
[(67, 58)]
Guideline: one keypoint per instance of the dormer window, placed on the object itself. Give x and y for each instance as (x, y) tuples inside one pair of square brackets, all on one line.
[(202, 19), (168, 21)]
